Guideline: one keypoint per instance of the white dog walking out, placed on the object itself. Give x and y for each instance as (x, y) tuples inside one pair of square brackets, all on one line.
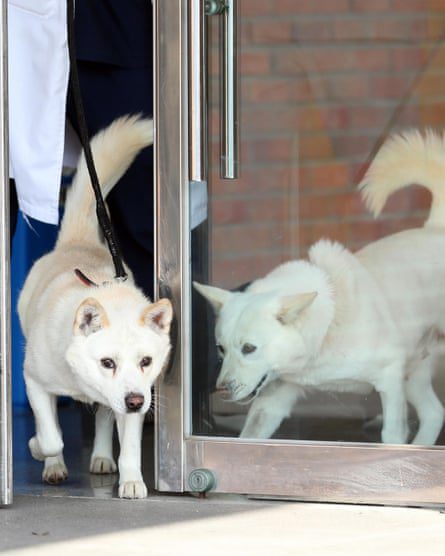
[(89, 336), (347, 322)]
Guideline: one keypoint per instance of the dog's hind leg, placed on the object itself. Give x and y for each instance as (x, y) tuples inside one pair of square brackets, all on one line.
[(273, 404), (102, 461), (420, 393), (129, 427), (391, 388)]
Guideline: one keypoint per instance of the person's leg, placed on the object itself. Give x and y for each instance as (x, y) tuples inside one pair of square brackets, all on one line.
[(13, 209)]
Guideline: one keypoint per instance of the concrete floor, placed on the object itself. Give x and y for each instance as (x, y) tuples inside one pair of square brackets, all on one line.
[(216, 526), (84, 516)]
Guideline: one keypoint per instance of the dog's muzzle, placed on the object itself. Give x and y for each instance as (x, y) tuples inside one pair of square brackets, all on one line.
[(134, 402), (229, 390)]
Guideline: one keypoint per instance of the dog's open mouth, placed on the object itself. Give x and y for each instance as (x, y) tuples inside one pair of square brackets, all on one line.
[(254, 392)]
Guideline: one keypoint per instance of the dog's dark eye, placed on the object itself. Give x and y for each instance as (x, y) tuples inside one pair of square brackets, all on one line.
[(220, 350), (108, 363), (145, 361), (248, 348)]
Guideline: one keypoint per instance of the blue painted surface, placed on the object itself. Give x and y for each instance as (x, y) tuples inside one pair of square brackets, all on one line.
[(30, 242)]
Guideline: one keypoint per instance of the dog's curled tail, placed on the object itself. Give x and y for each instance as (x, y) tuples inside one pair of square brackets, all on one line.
[(405, 159), (114, 149)]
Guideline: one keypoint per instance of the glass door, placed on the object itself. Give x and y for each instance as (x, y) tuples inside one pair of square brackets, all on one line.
[(281, 382)]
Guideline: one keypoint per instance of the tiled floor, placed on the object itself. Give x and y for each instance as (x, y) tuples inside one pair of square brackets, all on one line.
[(76, 423)]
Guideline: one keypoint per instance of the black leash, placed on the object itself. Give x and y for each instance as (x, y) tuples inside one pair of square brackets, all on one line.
[(102, 215)]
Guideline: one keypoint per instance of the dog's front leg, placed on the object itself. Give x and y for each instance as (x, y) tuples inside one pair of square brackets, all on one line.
[(102, 461), (272, 405), (129, 427), (391, 388), (47, 444)]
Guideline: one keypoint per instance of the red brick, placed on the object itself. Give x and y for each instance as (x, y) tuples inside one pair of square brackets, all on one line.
[(350, 29), (435, 27), (370, 5), (436, 5), (272, 150), (336, 205), (410, 5), (432, 114), (314, 231), (409, 57), (390, 86), (276, 90), (254, 63), (393, 29), (346, 87), (242, 239), (270, 31), (352, 145), (372, 59), (248, 210), (316, 146), (256, 181), (324, 176), (368, 117), (273, 118), (313, 30), (232, 272), (299, 7), (431, 84), (256, 7)]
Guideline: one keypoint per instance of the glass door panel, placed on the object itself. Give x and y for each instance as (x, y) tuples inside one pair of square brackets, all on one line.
[(323, 85)]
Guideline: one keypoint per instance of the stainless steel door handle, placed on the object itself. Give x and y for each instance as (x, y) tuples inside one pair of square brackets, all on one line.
[(197, 45), (197, 91), (229, 91)]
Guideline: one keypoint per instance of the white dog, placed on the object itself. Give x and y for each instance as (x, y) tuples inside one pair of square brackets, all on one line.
[(347, 322), (104, 343)]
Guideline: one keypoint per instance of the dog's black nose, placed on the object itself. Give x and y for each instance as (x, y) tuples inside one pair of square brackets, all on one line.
[(134, 401)]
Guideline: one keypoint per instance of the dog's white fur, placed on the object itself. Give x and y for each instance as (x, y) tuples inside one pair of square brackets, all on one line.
[(348, 322), (73, 331)]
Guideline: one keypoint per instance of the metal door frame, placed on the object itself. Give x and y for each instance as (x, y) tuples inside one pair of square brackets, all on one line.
[(317, 471), (5, 282)]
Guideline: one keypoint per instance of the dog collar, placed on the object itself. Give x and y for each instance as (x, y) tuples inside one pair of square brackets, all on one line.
[(87, 282), (84, 279)]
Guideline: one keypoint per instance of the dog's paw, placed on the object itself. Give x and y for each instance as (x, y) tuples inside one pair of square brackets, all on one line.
[(102, 466), (133, 489), (55, 473)]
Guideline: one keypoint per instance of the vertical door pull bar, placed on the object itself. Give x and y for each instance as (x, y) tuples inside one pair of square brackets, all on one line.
[(229, 91), (197, 91)]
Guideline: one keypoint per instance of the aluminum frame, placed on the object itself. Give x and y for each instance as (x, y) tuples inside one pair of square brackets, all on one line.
[(5, 276), (315, 471)]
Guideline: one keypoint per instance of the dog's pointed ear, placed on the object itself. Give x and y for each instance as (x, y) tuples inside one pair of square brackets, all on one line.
[(90, 317), (158, 316), (215, 296), (293, 305)]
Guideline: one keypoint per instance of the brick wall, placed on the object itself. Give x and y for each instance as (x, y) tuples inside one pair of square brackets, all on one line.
[(321, 80)]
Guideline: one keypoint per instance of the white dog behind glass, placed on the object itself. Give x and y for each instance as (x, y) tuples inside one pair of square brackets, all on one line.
[(347, 322), (89, 336)]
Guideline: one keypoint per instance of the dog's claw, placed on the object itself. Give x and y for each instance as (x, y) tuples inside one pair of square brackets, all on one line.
[(55, 473), (102, 466), (133, 489)]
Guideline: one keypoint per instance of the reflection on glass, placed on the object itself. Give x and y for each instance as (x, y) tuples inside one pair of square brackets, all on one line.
[(344, 341)]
